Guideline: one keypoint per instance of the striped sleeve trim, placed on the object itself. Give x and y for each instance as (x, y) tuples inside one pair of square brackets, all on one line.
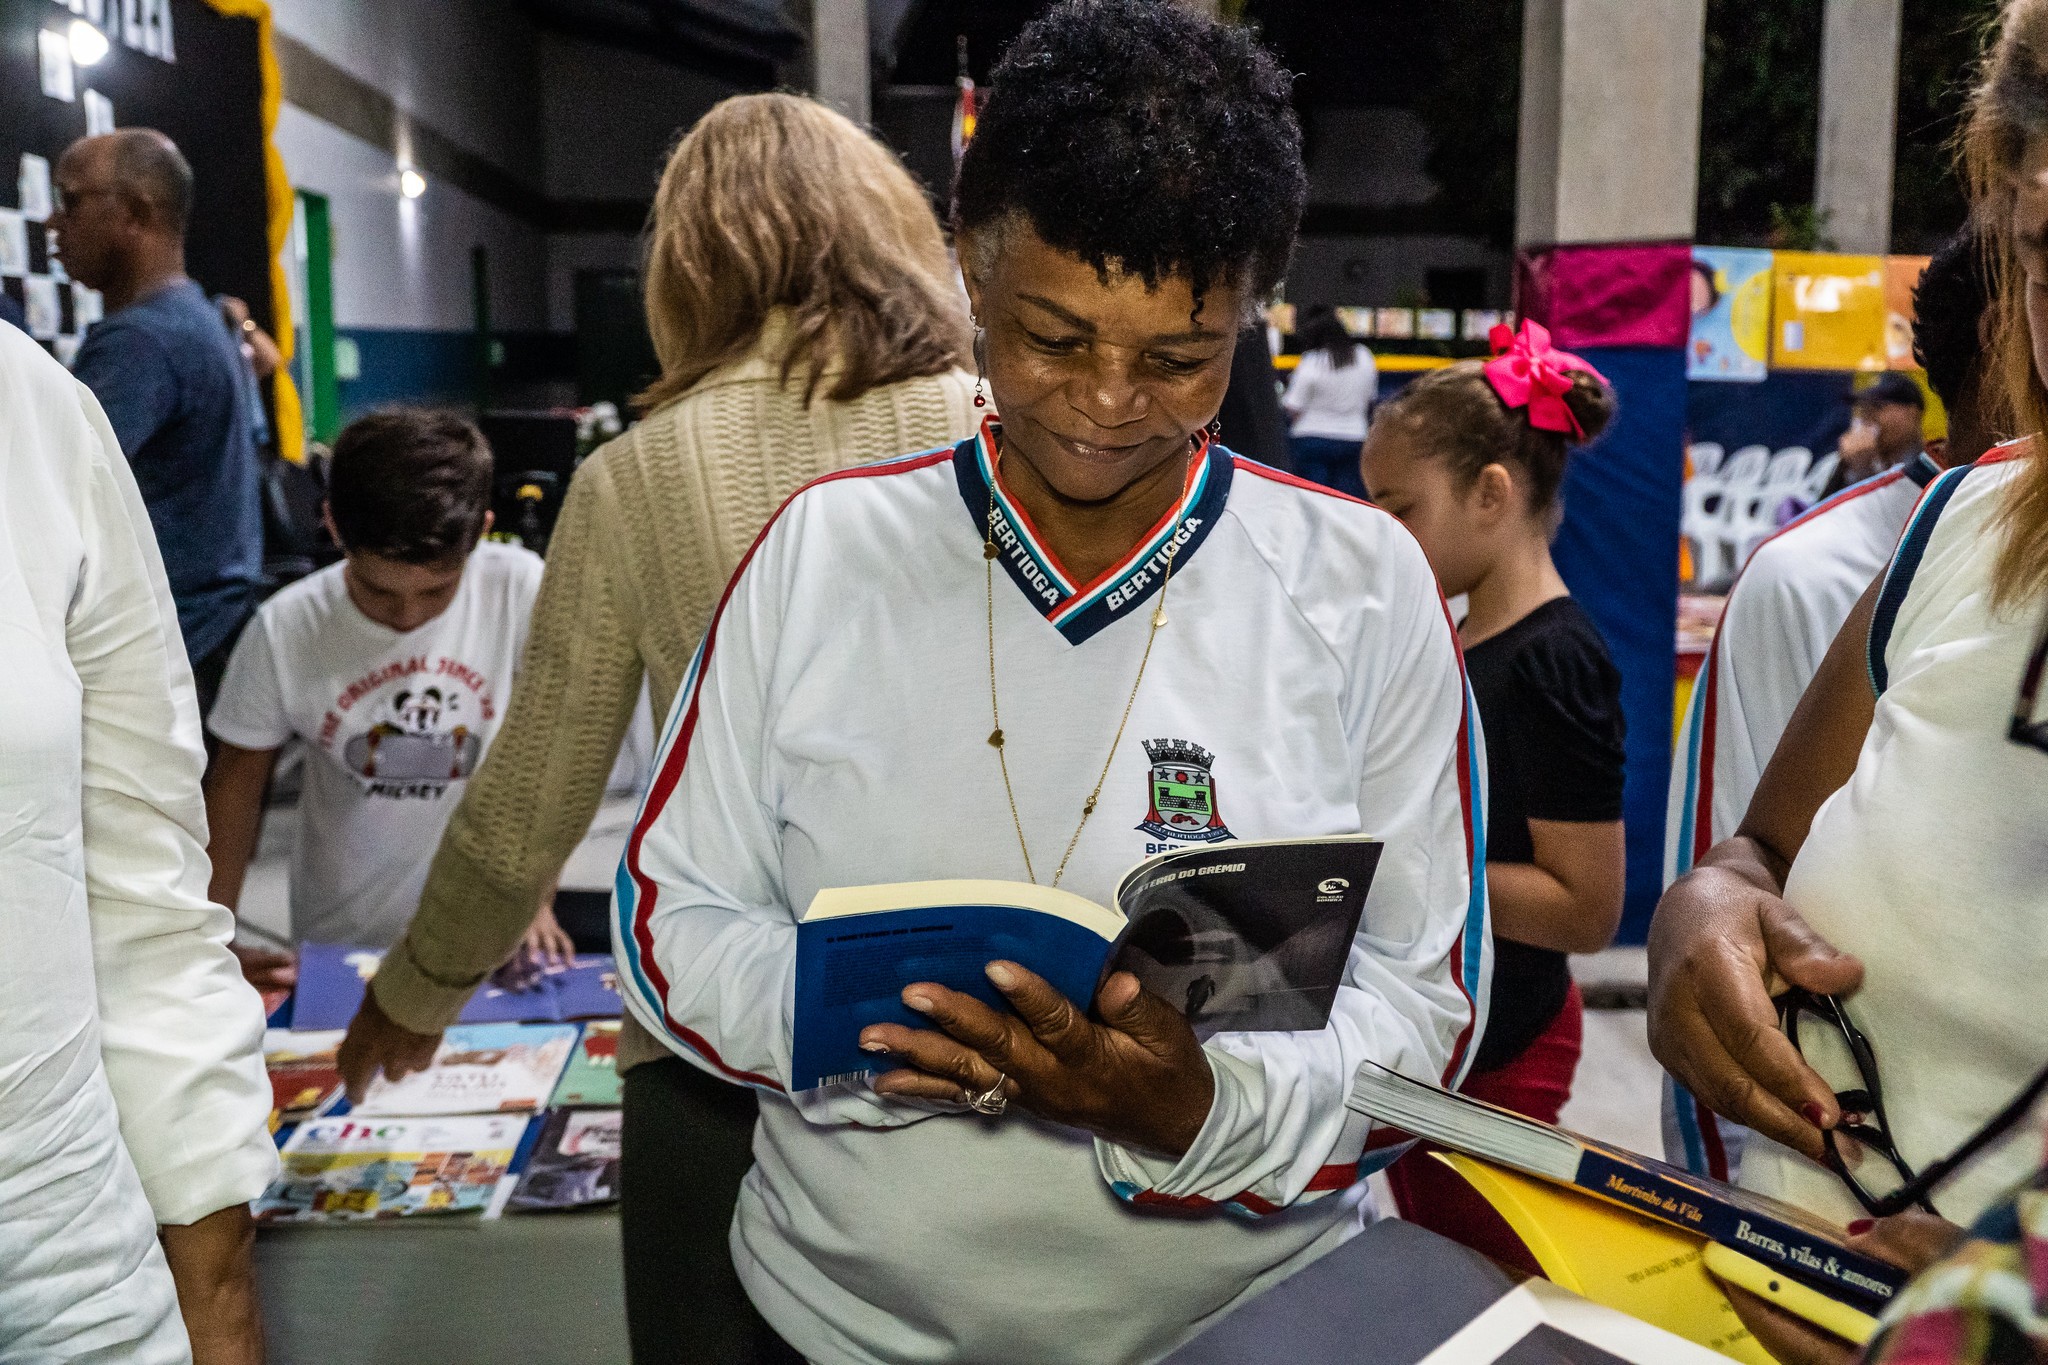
[(634, 888)]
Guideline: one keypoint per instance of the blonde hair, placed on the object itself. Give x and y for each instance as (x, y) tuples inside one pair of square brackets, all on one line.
[(2008, 109), (776, 201)]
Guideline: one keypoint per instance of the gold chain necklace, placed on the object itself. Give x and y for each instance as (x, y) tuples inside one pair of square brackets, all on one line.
[(995, 737)]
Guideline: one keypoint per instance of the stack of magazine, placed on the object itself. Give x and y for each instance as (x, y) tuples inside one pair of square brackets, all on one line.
[(520, 1115)]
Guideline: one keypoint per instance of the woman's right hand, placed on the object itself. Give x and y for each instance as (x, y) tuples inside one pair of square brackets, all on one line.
[(1720, 945)]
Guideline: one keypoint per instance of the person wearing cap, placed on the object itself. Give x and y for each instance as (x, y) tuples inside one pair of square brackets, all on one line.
[(1884, 431)]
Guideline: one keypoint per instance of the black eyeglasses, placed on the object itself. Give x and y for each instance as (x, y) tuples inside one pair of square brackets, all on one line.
[(2025, 729), (1873, 1169)]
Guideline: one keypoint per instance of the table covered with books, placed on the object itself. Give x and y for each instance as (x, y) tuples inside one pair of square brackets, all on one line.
[(462, 1213)]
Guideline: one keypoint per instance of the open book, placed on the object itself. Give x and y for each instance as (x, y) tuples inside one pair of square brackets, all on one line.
[(1240, 936), (1800, 1245)]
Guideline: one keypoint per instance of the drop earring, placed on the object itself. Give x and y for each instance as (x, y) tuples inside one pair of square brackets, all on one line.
[(980, 396)]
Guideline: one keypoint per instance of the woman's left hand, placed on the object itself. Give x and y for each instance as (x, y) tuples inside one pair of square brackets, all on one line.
[(1138, 1078)]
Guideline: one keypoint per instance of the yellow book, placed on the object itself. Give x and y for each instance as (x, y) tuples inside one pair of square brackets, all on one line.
[(1618, 1259)]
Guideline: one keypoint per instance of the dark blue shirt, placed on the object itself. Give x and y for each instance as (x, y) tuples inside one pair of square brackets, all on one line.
[(167, 372)]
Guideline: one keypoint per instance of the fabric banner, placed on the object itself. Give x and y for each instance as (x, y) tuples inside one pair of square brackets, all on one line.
[(1623, 294), (1731, 314), (1618, 552), (1901, 278), (1829, 312)]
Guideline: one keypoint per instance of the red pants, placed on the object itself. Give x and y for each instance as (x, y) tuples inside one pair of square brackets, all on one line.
[(1537, 1083)]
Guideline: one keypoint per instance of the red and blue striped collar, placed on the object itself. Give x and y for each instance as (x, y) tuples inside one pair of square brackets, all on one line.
[(1078, 610)]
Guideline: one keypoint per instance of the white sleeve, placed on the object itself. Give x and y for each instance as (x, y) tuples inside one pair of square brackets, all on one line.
[(180, 1031), (702, 924), (1414, 993), (249, 712)]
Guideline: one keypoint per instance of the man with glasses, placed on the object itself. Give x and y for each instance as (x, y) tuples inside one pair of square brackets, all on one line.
[(167, 373)]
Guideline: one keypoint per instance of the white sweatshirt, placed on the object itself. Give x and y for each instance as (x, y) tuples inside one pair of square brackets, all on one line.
[(833, 732), (132, 1090)]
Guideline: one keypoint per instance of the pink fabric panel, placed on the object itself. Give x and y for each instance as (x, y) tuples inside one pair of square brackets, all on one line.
[(1625, 294)]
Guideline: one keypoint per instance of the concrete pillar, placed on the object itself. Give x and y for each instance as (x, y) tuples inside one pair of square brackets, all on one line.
[(839, 56), (1859, 99), (1610, 127)]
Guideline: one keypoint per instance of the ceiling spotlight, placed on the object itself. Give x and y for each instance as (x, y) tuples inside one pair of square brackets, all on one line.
[(411, 183), (88, 44)]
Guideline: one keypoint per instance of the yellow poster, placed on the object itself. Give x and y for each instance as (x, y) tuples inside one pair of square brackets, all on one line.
[(1830, 312)]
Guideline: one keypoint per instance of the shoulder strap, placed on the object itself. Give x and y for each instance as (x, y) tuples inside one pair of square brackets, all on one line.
[(1898, 575)]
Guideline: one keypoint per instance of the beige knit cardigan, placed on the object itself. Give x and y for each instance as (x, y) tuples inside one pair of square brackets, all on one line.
[(654, 524)]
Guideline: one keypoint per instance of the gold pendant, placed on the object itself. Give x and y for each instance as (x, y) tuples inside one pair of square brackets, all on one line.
[(995, 738), (988, 549), (1158, 617)]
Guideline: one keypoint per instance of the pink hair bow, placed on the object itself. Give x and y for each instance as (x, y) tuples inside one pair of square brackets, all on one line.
[(1526, 372)]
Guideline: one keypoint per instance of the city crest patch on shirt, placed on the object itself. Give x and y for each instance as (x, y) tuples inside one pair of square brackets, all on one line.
[(1181, 793)]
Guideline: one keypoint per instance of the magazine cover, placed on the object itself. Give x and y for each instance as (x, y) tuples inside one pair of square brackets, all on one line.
[(575, 1163), (593, 1075), (303, 1078), (352, 1170), (479, 1069)]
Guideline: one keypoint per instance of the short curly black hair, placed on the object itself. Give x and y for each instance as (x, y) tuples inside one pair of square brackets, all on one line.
[(1142, 138), (1948, 313)]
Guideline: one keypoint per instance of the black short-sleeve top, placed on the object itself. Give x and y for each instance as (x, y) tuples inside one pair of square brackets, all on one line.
[(1549, 698)]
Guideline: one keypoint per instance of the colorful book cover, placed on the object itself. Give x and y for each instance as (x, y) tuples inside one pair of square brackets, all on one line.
[(1731, 315), (353, 1170), (479, 1069), (333, 977), (303, 1079), (592, 1079), (575, 1163)]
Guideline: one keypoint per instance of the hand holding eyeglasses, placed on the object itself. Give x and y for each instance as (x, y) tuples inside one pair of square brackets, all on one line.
[(1720, 948)]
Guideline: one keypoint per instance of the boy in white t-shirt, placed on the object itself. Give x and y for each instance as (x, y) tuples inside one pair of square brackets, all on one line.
[(393, 667)]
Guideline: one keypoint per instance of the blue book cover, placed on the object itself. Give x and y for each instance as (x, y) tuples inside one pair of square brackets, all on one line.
[(851, 968), (333, 977), (1238, 936)]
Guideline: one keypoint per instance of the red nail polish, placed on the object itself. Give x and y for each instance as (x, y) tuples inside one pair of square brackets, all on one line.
[(1861, 1226), (1812, 1112)]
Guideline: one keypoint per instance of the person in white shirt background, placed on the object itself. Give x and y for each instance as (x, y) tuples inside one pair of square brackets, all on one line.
[(1892, 856), (1783, 613), (1333, 386), (133, 1104), (914, 643), (392, 667)]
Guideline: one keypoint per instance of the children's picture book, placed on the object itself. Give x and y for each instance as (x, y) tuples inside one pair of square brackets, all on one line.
[(592, 1079), (1240, 936), (354, 1169), (1791, 1240), (478, 1069), (575, 1164), (333, 977)]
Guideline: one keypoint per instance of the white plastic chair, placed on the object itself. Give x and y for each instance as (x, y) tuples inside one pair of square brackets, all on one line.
[(1788, 468), (1706, 457), (1707, 514)]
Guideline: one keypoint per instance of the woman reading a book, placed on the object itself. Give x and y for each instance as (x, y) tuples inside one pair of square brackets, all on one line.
[(1890, 865), (1471, 458), (1021, 658)]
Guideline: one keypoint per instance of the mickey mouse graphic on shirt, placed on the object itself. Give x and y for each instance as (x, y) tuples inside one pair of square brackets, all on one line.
[(420, 737)]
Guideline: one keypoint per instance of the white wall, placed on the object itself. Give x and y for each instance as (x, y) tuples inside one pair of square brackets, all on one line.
[(468, 67), (404, 263)]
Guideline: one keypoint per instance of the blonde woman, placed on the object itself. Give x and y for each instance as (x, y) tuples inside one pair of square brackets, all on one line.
[(807, 318), (1889, 869)]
